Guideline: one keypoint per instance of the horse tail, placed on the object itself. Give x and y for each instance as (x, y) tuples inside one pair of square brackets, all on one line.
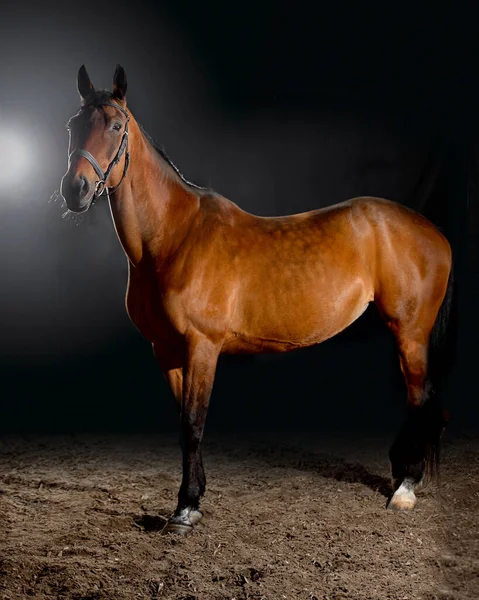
[(442, 352)]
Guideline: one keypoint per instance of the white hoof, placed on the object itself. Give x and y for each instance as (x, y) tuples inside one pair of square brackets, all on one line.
[(404, 497)]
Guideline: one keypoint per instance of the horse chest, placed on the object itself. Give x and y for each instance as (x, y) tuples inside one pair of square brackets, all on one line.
[(146, 311)]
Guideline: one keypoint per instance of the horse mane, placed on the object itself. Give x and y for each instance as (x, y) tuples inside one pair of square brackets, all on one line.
[(161, 151), (99, 97)]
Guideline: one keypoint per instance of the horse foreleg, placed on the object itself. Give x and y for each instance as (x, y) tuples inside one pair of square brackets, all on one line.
[(174, 376), (198, 377)]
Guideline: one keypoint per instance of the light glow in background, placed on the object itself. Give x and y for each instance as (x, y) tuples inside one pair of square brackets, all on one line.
[(18, 149)]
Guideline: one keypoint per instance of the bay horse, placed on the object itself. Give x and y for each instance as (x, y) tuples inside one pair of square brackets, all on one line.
[(206, 278)]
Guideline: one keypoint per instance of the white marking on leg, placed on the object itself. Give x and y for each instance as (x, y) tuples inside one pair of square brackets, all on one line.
[(187, 516)]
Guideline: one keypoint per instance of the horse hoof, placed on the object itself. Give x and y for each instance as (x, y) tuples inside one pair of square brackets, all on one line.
[(400, 506), (182, 523), (177, 528), (400, 502)]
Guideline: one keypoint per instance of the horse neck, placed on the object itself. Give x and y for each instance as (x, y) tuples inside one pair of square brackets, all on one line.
[(153, 207)]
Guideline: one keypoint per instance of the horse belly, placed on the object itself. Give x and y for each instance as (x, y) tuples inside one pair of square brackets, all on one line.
[(298, 319)]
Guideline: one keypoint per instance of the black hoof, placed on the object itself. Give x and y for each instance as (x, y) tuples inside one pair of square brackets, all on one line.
[(183, 521), (176, 528)]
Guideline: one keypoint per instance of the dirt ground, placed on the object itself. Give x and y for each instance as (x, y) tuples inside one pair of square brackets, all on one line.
[(285, 518)]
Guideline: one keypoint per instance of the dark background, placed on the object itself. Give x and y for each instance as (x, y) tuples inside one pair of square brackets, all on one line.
[(278, 107)]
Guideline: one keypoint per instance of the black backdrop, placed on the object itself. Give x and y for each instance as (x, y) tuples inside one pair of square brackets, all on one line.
[(278, 108)]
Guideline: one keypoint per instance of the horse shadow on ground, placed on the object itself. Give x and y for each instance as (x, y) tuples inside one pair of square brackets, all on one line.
[(150, 522), (330, 467), (346, 472), (325, 465), (267, 455)]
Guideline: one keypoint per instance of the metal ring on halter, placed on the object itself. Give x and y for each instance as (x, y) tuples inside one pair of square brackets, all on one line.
[(99, 187)]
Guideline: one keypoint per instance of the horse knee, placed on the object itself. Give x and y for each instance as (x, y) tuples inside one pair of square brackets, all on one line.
[(192, 426)]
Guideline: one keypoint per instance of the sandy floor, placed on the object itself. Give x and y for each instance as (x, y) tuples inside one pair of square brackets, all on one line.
[(292, 518)]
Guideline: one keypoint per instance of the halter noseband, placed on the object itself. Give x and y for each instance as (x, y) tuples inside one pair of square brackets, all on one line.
[(100, 185)]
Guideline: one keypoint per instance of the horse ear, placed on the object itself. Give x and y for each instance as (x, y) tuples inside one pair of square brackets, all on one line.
[(84, 84), (119, 83)]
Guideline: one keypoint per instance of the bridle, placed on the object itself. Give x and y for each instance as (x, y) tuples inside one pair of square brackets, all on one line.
[(100, 185)]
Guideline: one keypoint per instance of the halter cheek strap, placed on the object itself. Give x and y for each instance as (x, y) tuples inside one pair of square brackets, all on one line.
[(100, 185)]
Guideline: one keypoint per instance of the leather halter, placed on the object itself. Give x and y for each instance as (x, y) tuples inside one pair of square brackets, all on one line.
[(100, 185)]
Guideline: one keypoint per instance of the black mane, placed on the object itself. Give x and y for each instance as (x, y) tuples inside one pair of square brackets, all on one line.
[(159, 149), (99, 97)]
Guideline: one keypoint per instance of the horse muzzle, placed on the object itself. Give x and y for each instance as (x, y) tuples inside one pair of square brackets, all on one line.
[(77, 192)]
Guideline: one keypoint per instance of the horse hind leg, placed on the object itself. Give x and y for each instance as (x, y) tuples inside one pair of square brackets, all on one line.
[(413, 448), (419, 333)]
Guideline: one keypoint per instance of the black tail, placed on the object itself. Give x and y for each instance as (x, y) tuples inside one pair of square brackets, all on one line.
[(441, 358), (442, 341)]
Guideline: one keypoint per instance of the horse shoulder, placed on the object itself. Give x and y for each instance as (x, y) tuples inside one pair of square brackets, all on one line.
[(146, 309), (201, 281)]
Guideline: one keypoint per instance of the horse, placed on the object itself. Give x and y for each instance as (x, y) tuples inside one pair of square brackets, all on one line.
[(206, 278)]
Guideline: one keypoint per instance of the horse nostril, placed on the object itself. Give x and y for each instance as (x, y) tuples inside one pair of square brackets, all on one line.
[(75, 189), (82, 184)]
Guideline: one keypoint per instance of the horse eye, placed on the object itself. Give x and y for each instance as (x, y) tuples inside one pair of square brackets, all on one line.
[(116, 127)]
